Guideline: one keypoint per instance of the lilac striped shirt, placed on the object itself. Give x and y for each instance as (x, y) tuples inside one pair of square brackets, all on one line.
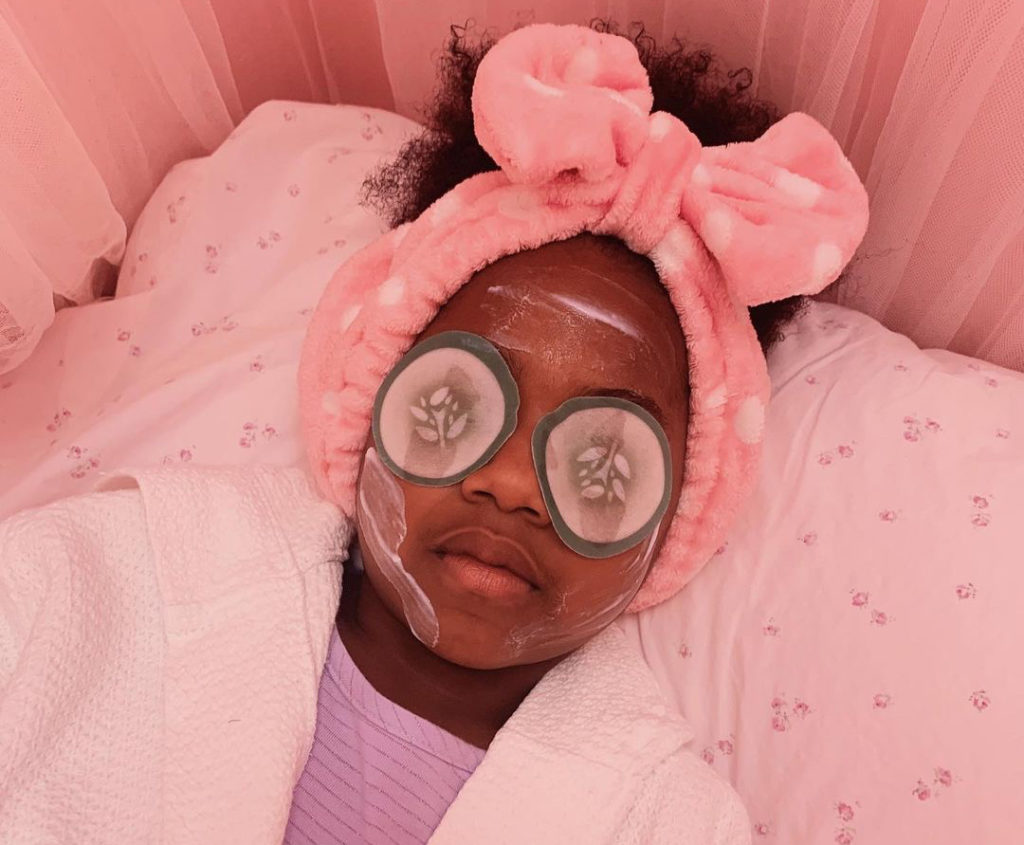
[(376, 772)]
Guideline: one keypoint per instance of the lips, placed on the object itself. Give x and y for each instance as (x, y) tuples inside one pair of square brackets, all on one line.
[(490, 549)]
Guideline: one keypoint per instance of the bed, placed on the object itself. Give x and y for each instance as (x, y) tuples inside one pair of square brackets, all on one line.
[(848, 661)]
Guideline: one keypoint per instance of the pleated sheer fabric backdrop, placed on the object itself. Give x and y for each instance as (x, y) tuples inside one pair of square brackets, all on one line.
[(99, 98)]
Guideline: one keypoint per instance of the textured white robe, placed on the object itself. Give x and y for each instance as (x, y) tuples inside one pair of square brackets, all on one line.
[(161, 644)]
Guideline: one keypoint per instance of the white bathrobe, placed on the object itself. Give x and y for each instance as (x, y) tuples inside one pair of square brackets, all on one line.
[(161, 644)]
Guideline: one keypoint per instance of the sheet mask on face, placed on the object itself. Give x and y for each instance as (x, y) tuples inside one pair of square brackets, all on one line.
[(380, 513), (511, 303), (603, 466)]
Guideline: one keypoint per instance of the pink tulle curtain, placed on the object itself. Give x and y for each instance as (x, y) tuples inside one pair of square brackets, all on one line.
[(99, 98)]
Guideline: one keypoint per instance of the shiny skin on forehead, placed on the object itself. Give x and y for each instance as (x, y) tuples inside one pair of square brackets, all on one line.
[(573, 315)]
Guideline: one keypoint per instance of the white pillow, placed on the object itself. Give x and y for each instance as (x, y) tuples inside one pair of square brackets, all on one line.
[(195, 359), (850, 661)]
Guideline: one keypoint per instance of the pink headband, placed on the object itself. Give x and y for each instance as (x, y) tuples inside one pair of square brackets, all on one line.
[(564, 111)]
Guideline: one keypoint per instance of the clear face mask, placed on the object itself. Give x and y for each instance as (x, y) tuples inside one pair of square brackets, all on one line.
[(602, 463)]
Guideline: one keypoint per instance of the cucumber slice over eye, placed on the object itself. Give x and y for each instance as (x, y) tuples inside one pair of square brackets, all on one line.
[(605, 471), (445, 409)]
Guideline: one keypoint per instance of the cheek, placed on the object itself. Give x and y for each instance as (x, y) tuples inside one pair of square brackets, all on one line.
[(422, 506), (382, 524), (595, 587), (417, 500), (590, 596)]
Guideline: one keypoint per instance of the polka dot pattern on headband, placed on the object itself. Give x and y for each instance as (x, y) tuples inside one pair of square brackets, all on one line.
[(749, 421), (348, 316), (803, 191), (827, 262), (391, 291)]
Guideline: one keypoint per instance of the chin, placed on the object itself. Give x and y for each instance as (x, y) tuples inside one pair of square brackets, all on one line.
[(468, 658), (468, 646)]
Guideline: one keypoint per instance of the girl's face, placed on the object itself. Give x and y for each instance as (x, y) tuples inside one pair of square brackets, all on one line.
[(570, 319)]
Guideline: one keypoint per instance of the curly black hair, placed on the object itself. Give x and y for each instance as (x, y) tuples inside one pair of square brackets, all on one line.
[(688, 84)]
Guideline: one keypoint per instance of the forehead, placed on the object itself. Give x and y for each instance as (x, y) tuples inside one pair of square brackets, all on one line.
[(572, 315)]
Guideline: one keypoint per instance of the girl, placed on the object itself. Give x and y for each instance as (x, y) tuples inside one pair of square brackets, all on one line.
[(534, 405), (534, 435)]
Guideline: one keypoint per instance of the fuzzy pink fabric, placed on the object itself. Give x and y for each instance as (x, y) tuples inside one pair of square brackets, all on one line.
[(564, 111)]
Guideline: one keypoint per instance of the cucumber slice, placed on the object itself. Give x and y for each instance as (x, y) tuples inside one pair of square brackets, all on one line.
[(445, 409), (605, 471)]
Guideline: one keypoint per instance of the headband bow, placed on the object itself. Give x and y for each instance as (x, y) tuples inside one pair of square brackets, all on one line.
[(775, 213), (564, 111)]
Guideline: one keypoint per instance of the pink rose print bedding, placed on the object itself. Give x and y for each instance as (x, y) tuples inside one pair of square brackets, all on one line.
[(851, 656)]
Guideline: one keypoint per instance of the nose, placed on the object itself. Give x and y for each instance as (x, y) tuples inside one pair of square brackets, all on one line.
[(509, 480)]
